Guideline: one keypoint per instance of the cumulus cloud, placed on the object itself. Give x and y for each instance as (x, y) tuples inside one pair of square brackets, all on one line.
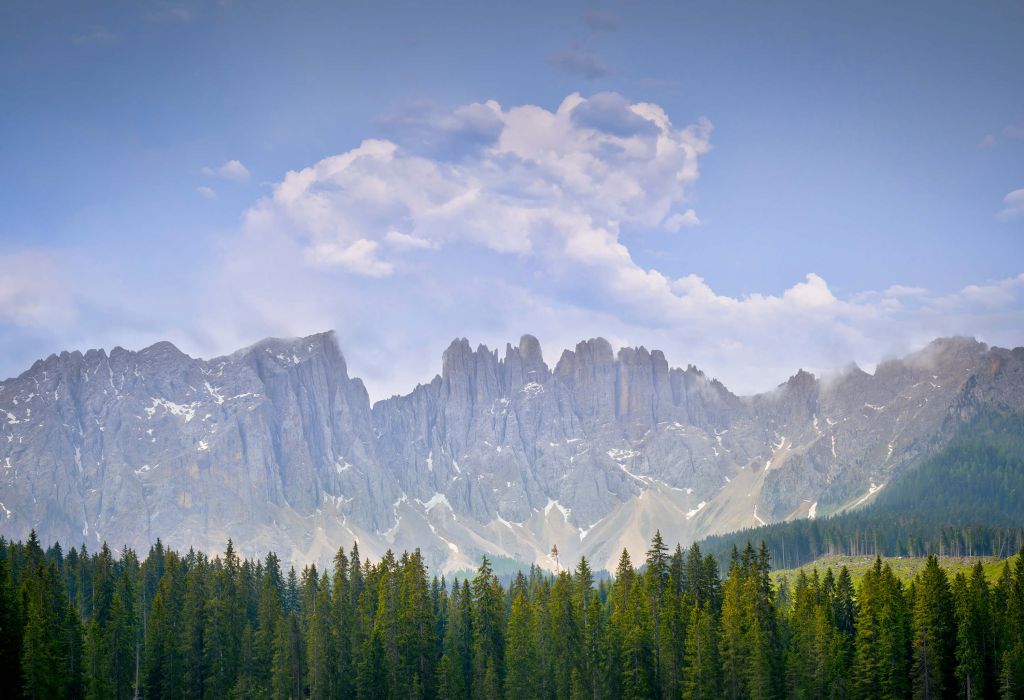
[(231, 170), (207, 192), (517, 223), (1013, 206)]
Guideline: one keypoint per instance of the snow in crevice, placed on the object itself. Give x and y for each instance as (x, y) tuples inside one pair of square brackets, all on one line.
[(757, 517), (438, 499), (561, 509), (430, 461), (699, 508), (203, 446), (341, 466), (7, 513), (214, 392), (586, 531), (872, 490), (813, 512)]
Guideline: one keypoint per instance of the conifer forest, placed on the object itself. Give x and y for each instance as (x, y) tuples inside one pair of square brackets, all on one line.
[(99, 625)]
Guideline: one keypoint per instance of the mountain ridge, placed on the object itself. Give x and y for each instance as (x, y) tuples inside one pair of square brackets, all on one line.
[(275, 444)]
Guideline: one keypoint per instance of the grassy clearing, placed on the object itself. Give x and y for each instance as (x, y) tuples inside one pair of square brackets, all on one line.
[(906, 568)]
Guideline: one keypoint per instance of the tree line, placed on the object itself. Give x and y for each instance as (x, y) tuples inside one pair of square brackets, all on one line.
[(967, 499), (96, 625)]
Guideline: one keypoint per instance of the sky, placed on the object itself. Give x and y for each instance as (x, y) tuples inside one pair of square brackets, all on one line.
[(751, 187)]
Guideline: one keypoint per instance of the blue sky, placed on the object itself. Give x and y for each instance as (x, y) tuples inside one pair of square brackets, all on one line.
[(842, 182)]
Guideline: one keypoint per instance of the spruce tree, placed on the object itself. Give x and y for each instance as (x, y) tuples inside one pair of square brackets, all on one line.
[(933, 633), (521, 653)]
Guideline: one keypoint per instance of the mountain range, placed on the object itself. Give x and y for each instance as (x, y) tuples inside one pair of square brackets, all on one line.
[(276, 447)]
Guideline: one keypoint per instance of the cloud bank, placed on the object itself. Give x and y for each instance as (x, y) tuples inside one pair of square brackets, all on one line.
[(492, 221), (489, 221)]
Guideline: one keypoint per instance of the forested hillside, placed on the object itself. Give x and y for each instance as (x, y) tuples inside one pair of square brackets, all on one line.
[(965, 500), (96, 625)]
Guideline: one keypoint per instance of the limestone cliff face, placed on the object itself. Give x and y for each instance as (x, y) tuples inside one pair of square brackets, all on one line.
[(278, 448)]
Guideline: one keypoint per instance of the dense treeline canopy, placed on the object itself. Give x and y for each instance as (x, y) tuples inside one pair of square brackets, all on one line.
[(964, 500), (96, 625)]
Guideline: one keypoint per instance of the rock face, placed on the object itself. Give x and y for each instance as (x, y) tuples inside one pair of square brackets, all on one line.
[(276, 447)]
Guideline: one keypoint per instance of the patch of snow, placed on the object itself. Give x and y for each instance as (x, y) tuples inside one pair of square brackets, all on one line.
[(203, 446), (532, 389), (727, 480), (834, 448), (561, 509), (889, 448), (813, 512), (438, 499), (873, 407), (12, 419), (699, 508), (143, 469), (7, 463), (622, 455), (872, 490), (6, 511), (430, 461), (78, 458), (455, 466), (214, 392), (585, 532), (187, 412), (341, 466), (757, 517)]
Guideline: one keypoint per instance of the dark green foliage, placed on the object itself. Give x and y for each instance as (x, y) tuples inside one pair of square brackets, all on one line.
[(190, 627), (967, 499)]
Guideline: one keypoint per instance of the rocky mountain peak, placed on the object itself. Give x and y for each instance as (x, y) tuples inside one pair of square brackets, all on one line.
[(276, 447)]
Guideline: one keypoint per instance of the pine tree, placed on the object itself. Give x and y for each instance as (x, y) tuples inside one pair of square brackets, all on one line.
[(11, 629), (701, 675), (320, 644), (933, 640), (488, 634), (455, 670), (41, 637), (287, 673), (521, 660)]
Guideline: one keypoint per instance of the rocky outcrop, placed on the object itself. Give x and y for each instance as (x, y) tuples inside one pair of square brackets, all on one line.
[(278, 448)]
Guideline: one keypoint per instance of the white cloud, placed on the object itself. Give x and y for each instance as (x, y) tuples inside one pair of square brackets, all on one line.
[(207, 192), (359, 256), (1013, 206), (677, 221), (512, 221), (32, 290), (232, 170)]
